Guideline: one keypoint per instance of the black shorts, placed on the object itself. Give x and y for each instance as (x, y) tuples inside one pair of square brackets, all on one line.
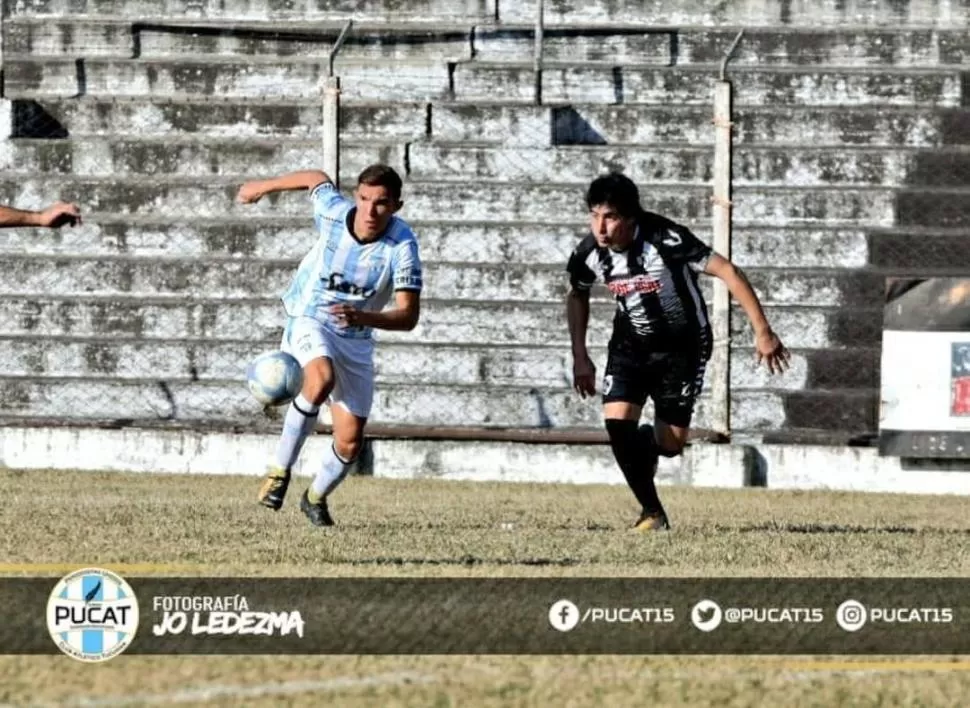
[(673, 380)]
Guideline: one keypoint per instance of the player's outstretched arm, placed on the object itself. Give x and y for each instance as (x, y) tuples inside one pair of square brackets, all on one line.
[(251, 192), (402, 318), (768, 347), (56, 215), (577, 317)]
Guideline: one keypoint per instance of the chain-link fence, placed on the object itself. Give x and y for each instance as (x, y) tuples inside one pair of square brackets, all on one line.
[(849, 165)]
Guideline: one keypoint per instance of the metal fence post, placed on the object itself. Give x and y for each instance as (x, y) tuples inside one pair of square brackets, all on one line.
[(720, 365), (331, 113), (6, 107), (537, 51)]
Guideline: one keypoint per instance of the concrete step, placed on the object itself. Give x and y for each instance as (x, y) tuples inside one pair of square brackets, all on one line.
[(495, 243), (760, 46), (776, 166), (517, 44), (185, 198), (835, 46), (252, 78), (215, 361), (420, 11), (694, 85), (229, 401), (205, 361), (119, 318), (527, 126), (846, 411), (630, 13), (476, 323), (917, 249), (288, 239), (745, 13), (812, 370), (125, 38), (395, 363), (243, 159), (114, 117), (162, 400), (273, 78), (438, 42), (67, 37), (845, 369), (447, 405), (588, 124), (235, 279), (265, 279), (190, 278), (389, 43), (928, 207), (823, 328), (773, 166), (796, 247)]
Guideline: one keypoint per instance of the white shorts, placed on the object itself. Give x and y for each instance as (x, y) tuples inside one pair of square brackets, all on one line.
[(306, 339)]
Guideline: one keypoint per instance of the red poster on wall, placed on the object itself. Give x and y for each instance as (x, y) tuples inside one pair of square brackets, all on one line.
[(960, 379), (960, 404)]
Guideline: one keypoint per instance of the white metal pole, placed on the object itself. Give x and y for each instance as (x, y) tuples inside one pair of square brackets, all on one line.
[(537, 51), (720, 364), (331, 112), (331, 129)]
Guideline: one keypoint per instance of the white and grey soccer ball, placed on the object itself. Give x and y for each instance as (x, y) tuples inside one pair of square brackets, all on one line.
[(274, 378)]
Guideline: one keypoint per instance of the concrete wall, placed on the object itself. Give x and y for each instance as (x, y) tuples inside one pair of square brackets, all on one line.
[(752, 467), (851, 128)]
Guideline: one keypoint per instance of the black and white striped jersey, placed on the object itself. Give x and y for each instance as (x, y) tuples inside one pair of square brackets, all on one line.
[(654, 281)]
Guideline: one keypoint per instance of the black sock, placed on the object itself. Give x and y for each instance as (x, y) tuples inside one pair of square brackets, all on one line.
[(651, 456), (637, 460), (649, 447)]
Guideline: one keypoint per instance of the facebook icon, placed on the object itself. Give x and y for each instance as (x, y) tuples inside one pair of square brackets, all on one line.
[(563, 615)]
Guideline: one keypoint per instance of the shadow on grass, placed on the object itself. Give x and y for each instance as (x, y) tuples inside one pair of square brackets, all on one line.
[(467, 560), (774, 527)]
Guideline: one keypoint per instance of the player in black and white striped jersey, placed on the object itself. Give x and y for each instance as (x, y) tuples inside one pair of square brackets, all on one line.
[(661, 333)]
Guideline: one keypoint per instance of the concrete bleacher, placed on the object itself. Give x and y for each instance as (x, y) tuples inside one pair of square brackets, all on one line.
[(852, 141)]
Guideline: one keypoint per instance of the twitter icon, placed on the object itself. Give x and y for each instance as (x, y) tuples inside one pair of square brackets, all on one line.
[(706, 615)]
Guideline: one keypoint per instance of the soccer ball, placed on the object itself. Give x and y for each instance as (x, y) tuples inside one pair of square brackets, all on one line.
[(274, 378)]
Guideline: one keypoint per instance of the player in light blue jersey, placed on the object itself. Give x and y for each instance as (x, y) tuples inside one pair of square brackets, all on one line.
[(362, 256)]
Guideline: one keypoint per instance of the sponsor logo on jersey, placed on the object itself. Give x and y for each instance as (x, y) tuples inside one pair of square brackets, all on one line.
[(338, 283), (621, 287)]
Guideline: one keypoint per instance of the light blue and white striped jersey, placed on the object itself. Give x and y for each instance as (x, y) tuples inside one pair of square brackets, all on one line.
[(341, 269)]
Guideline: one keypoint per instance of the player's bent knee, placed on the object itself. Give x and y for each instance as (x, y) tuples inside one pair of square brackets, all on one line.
[(670, 450), (348, 448), (317, 381), (671, 439)]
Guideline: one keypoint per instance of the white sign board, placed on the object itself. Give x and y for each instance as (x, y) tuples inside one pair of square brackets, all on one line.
[(925, 397)]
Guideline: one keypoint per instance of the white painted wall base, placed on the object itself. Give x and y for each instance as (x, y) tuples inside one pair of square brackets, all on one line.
[(723, 466), (859, 470)]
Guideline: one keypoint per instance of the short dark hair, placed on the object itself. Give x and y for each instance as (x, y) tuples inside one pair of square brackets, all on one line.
[(616, 190), (382, 176)]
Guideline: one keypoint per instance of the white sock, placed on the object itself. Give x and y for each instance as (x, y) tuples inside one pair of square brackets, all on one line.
[(331, 474), (301, 418)]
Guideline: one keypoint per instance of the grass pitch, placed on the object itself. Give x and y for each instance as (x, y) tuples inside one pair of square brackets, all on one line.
[(53, 522)]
